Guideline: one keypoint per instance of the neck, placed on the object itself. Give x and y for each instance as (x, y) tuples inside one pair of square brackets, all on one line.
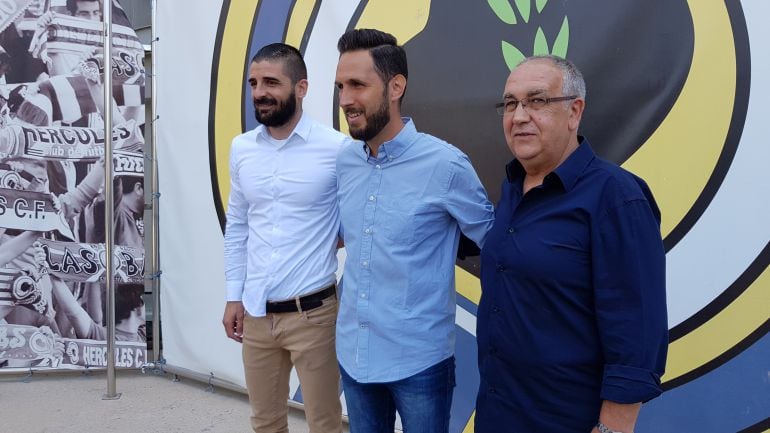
[(537, 171), (129, 325), (134, 205), (388, 133), (282, 132)]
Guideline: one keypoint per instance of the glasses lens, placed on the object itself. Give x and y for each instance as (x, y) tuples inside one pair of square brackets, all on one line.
[(535, 104), (508, 106)]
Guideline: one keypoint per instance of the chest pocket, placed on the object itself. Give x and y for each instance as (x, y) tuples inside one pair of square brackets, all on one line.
[(397, 222)]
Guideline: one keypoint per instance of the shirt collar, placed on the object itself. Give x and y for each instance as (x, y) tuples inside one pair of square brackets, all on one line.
[(568, 172), (302, 129), (394, 148)]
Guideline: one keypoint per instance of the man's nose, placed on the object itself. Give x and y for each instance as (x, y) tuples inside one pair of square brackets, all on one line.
[(258, 91), (520, 114), (344, 98)]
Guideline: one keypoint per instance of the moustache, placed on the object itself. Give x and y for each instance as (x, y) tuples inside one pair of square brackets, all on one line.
[(265, 101)]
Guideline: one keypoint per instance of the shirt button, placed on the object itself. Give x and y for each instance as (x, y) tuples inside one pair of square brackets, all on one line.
[(492, 391), (364, 263), (371, 198), (495, 310), (377, 166), (367, 231), (500, 268), (363, 326), (363, 295), (511, 230)]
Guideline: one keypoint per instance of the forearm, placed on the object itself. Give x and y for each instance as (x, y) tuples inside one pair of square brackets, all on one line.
[(11, 248), (236, 249), (74, 201), (94, 301), (235, 260), (79, 318), (618, 416)]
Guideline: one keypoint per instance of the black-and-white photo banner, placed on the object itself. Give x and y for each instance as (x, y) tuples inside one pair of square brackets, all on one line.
[(52, 201)]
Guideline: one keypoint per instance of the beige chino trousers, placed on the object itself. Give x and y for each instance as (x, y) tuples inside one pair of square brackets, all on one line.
[(271, 345)]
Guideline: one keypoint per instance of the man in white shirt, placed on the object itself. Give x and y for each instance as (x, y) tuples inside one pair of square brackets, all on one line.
[(280, 248)]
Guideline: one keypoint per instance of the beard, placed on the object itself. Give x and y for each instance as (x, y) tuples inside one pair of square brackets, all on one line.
[(280, 115), (374, 123)]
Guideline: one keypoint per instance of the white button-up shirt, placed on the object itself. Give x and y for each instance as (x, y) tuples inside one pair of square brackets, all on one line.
[(282, 215)]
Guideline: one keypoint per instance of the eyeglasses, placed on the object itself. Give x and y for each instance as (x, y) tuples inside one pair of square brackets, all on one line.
[(529, 104)]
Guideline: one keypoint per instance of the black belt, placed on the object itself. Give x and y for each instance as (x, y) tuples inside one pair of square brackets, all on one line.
[(306, 303)]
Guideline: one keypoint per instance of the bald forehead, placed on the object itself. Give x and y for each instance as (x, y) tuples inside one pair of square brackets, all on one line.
[(534, 77)]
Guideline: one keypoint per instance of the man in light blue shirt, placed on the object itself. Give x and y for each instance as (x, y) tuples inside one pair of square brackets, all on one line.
[(404, 199)]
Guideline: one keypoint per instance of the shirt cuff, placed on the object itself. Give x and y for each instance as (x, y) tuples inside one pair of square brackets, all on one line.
[(627, 385), (234, 291)]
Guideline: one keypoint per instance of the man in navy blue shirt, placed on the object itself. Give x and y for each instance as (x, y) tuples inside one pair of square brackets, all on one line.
[(572, 328)]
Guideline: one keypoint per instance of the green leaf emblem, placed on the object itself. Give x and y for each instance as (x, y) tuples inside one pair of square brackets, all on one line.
[(503, 10), (524, 7), (562, 40), (541, 44), (512, 55)]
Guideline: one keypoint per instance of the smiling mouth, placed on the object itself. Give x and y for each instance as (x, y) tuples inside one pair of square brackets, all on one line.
[(352, 115)]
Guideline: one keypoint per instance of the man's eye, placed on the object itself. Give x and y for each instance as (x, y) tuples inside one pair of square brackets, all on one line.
[(511, 105), (537, 101)]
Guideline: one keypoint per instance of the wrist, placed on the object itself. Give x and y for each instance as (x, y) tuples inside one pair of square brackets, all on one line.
[(604, 429)]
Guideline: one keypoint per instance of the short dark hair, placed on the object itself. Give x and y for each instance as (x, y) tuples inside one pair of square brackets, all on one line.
[(72, 5), (293, 63), (389, 57), (128, 297), (125, 184)]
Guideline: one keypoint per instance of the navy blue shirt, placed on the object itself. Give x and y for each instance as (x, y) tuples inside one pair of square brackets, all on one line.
[(573, 305)]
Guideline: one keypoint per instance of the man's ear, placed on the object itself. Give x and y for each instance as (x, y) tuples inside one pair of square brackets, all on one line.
[(139, 187), (300, 89), (576, 113), (397, 87)]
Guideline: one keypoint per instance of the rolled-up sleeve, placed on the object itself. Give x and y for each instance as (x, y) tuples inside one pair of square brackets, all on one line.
[(630, 301), (467, 201)]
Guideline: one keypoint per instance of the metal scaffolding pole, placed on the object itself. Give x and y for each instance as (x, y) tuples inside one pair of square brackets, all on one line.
[(155, 196), (109, 199)]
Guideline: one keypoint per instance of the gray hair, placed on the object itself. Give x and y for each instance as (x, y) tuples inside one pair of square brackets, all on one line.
[(572, 78)]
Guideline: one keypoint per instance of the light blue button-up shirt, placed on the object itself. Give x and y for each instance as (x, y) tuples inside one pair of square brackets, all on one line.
[(401, 214)]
